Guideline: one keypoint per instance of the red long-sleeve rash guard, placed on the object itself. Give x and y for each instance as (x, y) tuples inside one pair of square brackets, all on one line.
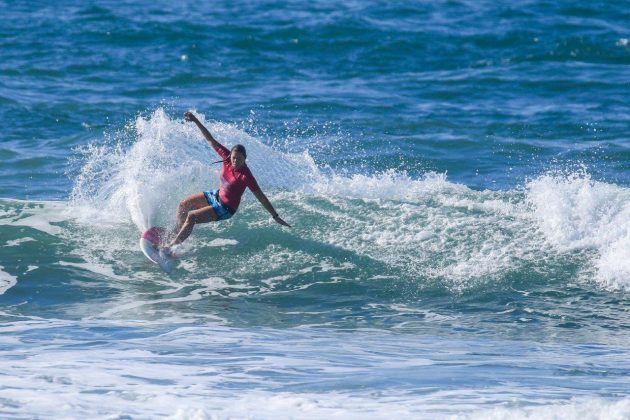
[(234, 182)]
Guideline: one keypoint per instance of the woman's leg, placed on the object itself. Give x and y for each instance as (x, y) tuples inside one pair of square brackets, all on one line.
[(203, 215), (192, 202)]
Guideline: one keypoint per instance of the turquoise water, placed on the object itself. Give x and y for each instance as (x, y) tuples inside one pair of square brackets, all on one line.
[(456, 174)]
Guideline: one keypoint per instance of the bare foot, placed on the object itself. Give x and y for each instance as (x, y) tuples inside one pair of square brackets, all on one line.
[(166, 251)]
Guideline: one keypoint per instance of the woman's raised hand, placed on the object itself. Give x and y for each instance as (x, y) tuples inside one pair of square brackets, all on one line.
[(189, 116)]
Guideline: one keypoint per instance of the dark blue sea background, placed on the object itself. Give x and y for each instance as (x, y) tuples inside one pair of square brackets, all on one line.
[(456, 174)]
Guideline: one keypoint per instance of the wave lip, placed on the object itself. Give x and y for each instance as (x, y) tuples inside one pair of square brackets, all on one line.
[(576, 213)]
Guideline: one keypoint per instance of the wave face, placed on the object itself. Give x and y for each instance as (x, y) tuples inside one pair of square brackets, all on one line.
[(426, 227), (456, 175), (385, 246)]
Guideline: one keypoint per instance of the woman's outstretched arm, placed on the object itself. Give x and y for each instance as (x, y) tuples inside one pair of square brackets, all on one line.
[(267, 205), (189, 116)]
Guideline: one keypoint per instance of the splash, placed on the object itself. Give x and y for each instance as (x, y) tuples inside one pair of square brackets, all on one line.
[(153, 163), (576, 213), (427, 229)]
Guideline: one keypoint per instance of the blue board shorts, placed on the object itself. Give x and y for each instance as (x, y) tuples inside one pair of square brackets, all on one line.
[(222, 211)]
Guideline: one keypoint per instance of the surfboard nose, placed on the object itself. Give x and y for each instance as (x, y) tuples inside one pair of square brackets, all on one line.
[(154, 235)]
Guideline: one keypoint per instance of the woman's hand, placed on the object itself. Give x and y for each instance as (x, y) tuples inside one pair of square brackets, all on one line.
[(280, 221), (189, 116)]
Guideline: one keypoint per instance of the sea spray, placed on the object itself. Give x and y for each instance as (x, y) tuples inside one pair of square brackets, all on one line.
[(428, 229), (576, 213), (146, 169)]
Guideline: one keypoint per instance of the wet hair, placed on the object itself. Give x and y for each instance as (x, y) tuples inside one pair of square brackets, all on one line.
[(239, 148)]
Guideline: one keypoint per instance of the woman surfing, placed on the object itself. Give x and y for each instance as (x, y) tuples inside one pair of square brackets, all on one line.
[(222, 203)]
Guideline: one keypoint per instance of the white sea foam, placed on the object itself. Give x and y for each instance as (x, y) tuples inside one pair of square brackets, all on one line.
[(189, 292), (101, 269), (7, 281), (219, 242), (75, 370), (317, 406), (575, 213), (41, 216), (480, 234), (428, 227), (577, 409), (19, 241)]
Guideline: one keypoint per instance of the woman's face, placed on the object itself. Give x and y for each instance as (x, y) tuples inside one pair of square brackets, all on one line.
[(237, 159)]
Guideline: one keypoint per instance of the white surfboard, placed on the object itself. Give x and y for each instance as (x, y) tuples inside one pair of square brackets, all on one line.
[(149, 244)]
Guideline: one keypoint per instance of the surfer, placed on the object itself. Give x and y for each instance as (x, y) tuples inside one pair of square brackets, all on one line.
[(222, 203)]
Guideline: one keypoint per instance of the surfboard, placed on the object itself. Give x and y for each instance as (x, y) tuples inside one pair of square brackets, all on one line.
[(149, 245)]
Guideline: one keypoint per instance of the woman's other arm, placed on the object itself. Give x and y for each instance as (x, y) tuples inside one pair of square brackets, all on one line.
[(267, 205)]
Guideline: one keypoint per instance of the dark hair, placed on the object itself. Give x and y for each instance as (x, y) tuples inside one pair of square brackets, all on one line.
[(239, 148)]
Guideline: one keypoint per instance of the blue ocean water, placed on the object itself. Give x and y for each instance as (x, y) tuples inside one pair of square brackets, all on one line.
[(456, 174)]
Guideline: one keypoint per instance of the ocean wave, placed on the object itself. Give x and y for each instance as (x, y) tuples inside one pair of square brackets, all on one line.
[(426, 229)]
